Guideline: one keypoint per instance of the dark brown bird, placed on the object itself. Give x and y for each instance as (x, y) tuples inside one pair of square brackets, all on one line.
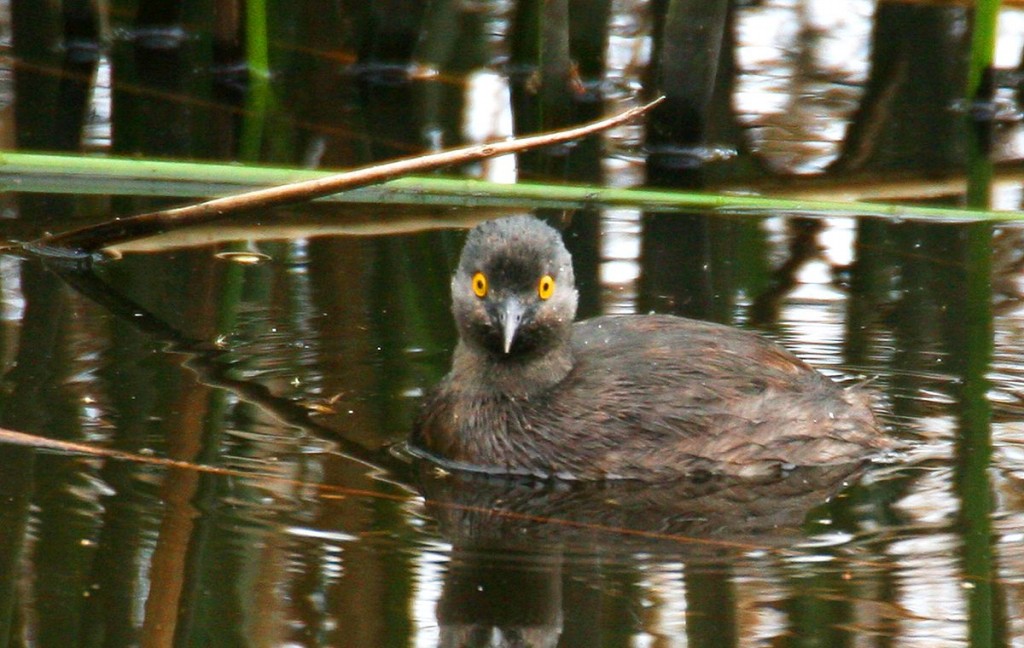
[(645, 397)]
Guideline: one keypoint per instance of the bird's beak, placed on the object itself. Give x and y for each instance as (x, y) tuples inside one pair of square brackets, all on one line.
[(510, 316)]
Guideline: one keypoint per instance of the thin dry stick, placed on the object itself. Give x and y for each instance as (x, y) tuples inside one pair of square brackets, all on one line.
[(91, 238)]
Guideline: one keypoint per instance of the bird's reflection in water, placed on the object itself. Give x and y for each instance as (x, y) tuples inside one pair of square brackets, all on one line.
[(513, 540)]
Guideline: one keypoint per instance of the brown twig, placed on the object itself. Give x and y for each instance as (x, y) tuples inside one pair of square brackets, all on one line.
[(93, 237)]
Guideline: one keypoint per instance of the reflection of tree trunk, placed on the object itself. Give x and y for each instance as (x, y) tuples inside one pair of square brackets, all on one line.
[(674, 253), (38, 403), (710, 606), (585, 603), (29, 404), (228, 49), (557, 60), (136, 390), (408, 290), (868, 289), (391, 31), (453, 37), (49, 114), (918, 70), (687, 47), (1020, 80), (341, 271), (686, 65), (556, 67), (356, 285), (16, 486), (535, 24), (588, 41), (582, 236), (36, 38), (81, 57), (539, 43), (189, 434), (168, 566), (817, 620), (268, 623), (51, 109), (159, 14), (803, 247), (490, 593), (155, 120), (313, 94), (452, 43), (698, 265)]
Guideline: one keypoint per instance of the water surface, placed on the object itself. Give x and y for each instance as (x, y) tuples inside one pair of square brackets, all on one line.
[(292, 367)]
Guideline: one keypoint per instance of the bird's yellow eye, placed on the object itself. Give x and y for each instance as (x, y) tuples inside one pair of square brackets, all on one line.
[(546, 287), (480, 285)]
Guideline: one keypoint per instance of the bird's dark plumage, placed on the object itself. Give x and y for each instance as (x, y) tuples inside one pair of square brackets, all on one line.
[(650, 397)]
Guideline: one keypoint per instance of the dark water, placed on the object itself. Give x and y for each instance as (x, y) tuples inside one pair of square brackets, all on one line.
[(296, 377)]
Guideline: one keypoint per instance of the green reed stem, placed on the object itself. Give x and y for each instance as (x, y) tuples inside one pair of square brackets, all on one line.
[(33, 172), (983, 44), (257, 48)]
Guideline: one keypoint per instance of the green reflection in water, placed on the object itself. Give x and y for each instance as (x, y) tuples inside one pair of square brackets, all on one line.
[(974, 448)]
